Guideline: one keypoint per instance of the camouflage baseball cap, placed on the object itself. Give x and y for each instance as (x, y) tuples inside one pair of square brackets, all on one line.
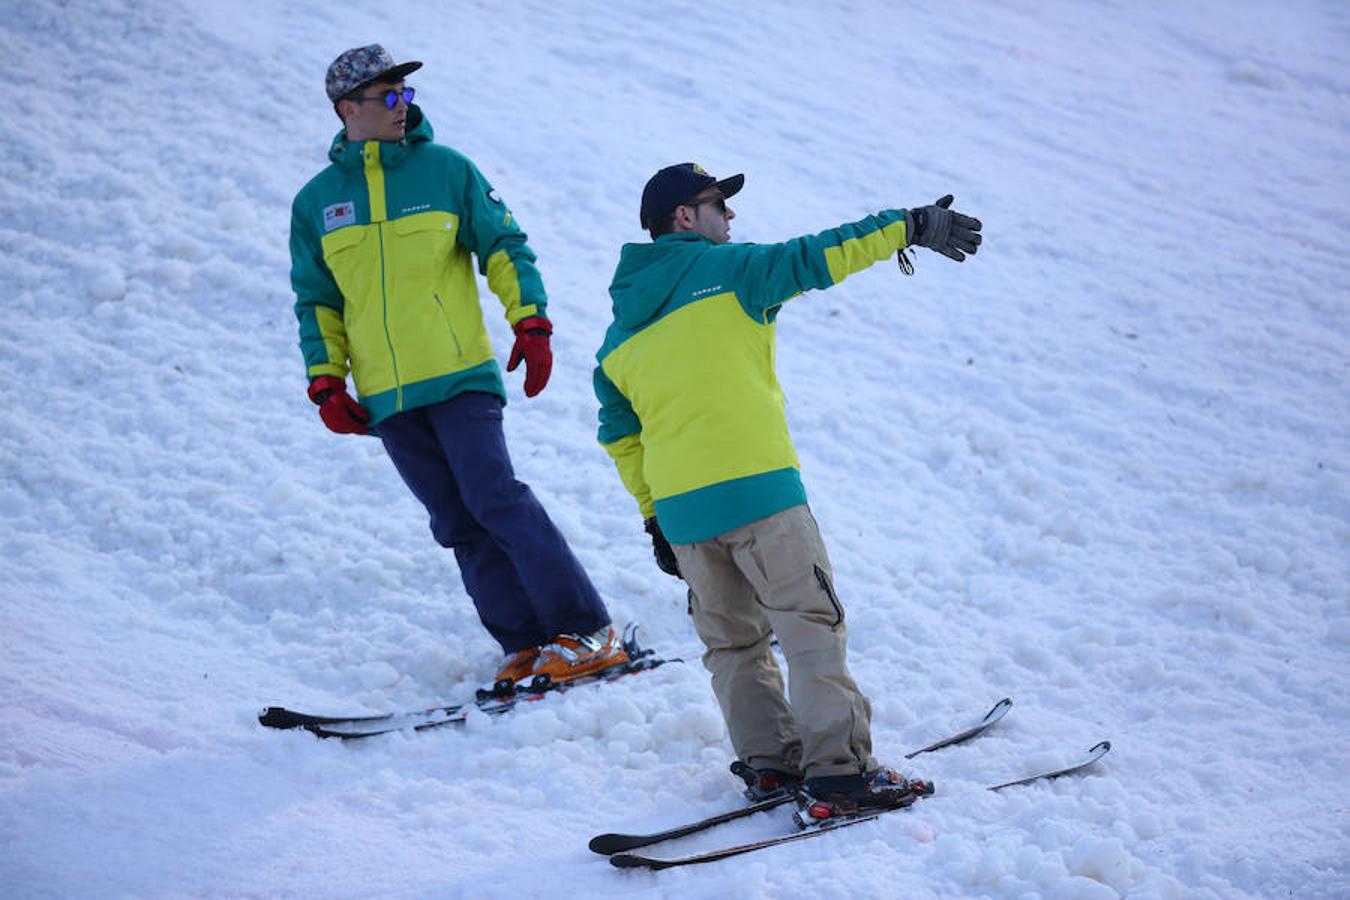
[(362, 65)]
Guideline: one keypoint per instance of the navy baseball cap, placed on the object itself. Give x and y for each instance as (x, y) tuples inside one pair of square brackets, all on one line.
[(674, 185)]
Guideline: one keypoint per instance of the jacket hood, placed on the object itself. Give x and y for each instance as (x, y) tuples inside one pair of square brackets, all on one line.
[(648, 274), (417, 130)]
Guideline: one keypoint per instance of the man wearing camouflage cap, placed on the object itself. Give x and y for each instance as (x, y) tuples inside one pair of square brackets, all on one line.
[(381, 244)]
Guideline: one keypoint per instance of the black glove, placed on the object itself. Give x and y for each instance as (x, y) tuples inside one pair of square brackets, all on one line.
[(939, 228), (665, 557)]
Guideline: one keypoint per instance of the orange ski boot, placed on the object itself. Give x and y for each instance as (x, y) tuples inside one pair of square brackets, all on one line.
[(516, 669), (572, 656)]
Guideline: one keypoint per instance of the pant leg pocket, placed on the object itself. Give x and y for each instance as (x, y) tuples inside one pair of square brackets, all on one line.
[(827, 586), (784, 561)]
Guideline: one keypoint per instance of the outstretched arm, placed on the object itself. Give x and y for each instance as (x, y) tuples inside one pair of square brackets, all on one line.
[(772, 274)]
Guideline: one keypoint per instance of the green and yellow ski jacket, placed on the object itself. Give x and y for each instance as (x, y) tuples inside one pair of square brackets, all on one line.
[(382, 273), (690, 407)]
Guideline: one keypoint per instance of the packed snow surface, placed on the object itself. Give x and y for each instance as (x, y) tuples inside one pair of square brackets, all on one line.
[(1100, 468)]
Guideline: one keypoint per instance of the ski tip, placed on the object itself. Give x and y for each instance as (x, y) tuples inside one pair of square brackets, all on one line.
[(632, 861), (607, 844), (997, 712), (278, 717), (1098, 750)]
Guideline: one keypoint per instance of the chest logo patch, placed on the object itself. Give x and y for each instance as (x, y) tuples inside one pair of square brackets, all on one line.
[(338, 215)]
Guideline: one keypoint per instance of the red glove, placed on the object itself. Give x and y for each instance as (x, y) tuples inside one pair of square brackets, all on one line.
[(532, 346), (341, 413)]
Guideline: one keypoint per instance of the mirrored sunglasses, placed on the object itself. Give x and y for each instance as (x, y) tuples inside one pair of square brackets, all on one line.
[(390, 97)]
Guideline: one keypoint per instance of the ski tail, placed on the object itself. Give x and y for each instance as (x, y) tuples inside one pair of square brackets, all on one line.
[(281, 717), (608, 844), (637, 861)]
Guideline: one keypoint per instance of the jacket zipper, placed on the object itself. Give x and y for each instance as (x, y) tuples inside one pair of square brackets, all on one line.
[(388, 338)]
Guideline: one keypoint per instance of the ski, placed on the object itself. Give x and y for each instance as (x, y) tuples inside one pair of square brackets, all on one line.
[(1097, 752), (625, 860), (616, 846), (487, 703), (637, 861), (607, 844), (999, 711), (370, 726)]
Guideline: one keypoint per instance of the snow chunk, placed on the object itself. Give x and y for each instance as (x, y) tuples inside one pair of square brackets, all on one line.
[(377, 675), (1146, 825), (174, 275), (634, 582), (1266, 558), (109, 285), (235, 215), (1080, 888), (536, 729), (988, 441), (1101, 859)]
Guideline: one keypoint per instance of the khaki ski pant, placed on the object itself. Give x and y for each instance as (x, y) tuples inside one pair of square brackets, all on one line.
[(773, 578)]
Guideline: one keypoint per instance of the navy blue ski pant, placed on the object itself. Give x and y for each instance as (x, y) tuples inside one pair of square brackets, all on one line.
[(522, 576)]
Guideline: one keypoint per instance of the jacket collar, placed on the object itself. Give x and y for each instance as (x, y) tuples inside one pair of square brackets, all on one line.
[(348, 154)]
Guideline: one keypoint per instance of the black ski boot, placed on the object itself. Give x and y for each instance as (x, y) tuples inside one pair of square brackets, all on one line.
[(766, 783), (849, 796)]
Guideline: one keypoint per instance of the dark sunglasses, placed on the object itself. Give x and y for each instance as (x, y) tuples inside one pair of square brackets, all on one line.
[(390, 97), (718, 203)]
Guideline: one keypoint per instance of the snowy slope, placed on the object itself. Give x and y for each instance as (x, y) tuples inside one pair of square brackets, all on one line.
[(1101, 467)]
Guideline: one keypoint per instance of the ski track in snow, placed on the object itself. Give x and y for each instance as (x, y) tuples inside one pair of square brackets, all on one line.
[(1100, 468)]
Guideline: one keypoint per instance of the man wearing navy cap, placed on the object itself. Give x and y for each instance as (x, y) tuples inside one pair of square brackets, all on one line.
[(692, 414), (382, 248)]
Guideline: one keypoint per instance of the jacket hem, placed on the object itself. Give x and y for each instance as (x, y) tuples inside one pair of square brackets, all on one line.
[(485, 377), (706, 512)]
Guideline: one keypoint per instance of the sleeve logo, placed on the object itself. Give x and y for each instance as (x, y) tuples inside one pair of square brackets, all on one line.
[(339, 214)]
